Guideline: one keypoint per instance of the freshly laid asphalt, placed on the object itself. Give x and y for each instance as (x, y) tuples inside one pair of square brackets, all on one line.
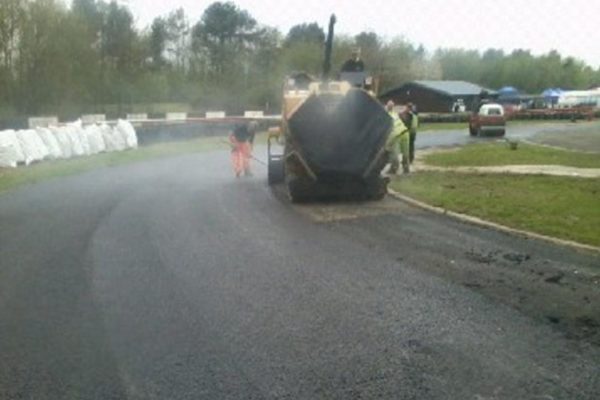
[(170, 279)]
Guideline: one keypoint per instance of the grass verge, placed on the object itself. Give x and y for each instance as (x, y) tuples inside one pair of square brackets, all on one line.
[(498, 153), (565, 208), (11, 178)]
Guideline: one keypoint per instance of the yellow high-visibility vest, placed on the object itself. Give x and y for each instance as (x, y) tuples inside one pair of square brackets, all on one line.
[(398, 130), (415, 122)]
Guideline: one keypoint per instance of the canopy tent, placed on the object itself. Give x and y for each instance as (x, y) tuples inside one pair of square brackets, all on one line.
[(509, 95), (508, 91), (552, 95)]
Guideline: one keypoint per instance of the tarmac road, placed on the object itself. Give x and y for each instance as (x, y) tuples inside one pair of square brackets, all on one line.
[(514, 131), (170, 279)]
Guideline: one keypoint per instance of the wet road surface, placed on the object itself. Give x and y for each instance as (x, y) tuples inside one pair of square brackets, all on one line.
[(514, 131), (169, 279)]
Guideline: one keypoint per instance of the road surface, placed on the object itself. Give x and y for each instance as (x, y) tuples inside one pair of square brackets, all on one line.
[(514, 131), (170, 279)]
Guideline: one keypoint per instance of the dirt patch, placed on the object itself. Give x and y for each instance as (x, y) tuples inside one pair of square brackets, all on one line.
[(323, 212), (332, 212), (548, 291)]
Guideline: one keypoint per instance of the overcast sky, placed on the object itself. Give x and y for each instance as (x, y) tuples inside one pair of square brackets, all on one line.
[(569, 26)]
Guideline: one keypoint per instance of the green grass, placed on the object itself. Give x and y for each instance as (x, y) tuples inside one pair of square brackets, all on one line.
[(562, 207), (498, 153), (11, 178)]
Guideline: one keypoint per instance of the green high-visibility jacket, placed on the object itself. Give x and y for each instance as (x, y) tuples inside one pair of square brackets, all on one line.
[(398, 133), (415, 122)]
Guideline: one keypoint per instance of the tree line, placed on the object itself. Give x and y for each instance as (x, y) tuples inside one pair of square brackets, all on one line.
[(77, 58)]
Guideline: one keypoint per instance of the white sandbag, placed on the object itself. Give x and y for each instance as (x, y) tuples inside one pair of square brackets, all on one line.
[(128, 132), (74, 132), (50, 142), (62, 137), (94, 138), (41, 151), (99, 139), (29, 143), (26, 147), (88, 142), (40, 146), (8, 152), (119, 139), (8, 156), (9, 139), (83, 138), (107, 135)]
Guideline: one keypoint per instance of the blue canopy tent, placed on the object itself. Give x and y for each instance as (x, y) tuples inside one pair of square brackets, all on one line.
[(509, 95), (551, 95), (508, 91)]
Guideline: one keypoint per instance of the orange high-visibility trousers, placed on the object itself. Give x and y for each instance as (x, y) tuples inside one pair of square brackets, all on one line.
[(240, 156)]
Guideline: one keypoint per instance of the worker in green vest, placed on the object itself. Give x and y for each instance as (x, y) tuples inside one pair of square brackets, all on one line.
[(412, 127), (397, 142)]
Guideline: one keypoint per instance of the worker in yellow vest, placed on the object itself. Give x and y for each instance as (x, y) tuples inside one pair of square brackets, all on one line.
[(397, 142)]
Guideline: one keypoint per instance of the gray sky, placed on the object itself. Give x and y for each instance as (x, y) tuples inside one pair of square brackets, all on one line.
[(569, 26)]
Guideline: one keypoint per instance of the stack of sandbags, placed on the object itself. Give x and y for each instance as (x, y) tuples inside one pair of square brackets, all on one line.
[(11, 153), (58, 142)]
